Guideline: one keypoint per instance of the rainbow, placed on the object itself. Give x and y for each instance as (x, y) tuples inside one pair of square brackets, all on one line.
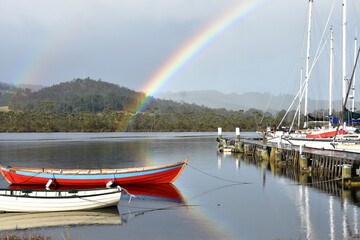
[(193, 46)]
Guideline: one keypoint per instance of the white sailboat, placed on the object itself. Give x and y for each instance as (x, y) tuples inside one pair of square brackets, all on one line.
[(331, 138)]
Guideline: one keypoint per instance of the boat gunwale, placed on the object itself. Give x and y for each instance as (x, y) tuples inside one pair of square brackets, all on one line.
[(5, 192), (95, 171)]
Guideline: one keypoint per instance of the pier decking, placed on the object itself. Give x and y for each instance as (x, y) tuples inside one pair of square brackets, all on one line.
[(340, 165)]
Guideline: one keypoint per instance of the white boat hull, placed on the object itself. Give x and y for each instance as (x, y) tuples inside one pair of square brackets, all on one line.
[(322, 144), (57, 200)]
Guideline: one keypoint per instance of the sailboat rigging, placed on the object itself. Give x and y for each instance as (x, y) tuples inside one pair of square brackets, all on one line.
[(325, 138)]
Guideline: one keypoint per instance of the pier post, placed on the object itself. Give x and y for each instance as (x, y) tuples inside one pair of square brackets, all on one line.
[(248, 149), (264, 154), (278, 156), (237, 130), (219, 132), (304, 165), (346, 173), (272, 154)]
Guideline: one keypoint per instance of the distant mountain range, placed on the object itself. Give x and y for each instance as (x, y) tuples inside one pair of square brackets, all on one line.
[(265, 102), (243, 101)]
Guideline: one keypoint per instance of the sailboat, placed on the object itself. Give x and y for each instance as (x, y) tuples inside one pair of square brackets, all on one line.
[(332, 138)]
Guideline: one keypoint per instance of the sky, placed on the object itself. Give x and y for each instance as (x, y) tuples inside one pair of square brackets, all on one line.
[(232, 46)]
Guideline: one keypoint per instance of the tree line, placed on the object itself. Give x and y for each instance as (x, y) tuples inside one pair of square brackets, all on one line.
[(86, 105), (122, 121)]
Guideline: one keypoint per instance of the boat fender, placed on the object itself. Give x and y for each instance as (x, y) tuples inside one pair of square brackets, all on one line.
[(109, 184), (49, 183)]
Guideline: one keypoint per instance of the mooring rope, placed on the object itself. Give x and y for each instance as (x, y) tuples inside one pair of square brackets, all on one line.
[(238, 182), (314, 183), (217, 177), (127, 192), (125, 217)]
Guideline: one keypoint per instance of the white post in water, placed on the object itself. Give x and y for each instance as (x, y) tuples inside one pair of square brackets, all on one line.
[(219, 132), (237, 130)]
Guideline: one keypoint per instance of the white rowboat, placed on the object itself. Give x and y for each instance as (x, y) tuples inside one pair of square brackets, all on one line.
[(24, 200)]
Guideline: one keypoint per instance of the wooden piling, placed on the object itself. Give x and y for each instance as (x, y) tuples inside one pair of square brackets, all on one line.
[(346, 173), (278, 155), (304, 165), (264, 154), (299, 160)]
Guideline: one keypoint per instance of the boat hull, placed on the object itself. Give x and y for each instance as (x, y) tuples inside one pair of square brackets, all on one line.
[(321, 144), (56, 200), (93, 177), (326, 134)]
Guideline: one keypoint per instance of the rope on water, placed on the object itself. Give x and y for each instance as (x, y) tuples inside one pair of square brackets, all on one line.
[(314, 183), (220, 178), (125, 217), (237, 182), (127, 192)]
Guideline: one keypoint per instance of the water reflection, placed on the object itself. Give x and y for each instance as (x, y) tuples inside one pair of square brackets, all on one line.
[(144, 199), (331, 217), (158, 192), (22, 221), (135, 196), (343, 204), (261, 201)]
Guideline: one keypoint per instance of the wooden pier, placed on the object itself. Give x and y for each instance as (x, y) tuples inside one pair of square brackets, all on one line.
[(340, 165)]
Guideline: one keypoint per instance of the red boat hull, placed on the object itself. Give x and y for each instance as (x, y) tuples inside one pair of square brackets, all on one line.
[(147, 175), (158, 192), (326, 134)]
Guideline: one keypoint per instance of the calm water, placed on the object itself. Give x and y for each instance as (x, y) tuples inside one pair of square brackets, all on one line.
[(216, 197)]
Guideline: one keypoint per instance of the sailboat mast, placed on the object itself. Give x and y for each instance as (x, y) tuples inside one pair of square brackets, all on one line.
[(331, 73), (353, 85), (299, 115), (344, 80), (307, 64)]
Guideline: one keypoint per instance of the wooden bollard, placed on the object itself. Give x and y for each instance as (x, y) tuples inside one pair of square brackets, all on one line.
[(278, 156), (239, 147), (304, 165), (304, 178), (264, 154), (345, 175), (272, 154), (247, 149), (346, 172)]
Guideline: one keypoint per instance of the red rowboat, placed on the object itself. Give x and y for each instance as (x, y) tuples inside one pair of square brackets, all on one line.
[(166, 173)]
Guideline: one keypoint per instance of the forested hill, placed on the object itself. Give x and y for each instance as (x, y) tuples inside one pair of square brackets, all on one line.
[(86, 105), (87, 95), (78, 95)]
